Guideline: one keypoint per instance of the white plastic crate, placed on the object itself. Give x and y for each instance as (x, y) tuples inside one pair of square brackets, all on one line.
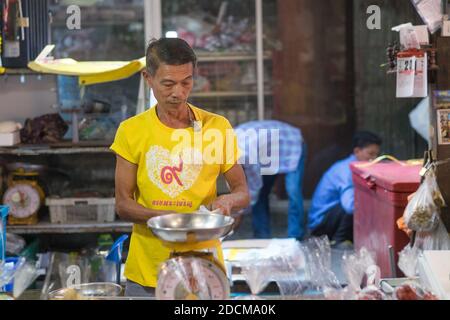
[(75, 210)]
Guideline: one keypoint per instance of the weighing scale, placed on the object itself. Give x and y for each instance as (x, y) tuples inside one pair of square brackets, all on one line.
[(24, 196), (194, 270)]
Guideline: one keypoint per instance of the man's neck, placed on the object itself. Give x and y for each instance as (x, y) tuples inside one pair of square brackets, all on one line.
[(177, 118)]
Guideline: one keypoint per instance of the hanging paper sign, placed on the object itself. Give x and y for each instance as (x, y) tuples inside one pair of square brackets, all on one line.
[(421, 76), (406, 69), (412, 74)]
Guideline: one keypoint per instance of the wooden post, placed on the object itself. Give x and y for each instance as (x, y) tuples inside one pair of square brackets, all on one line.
[(442, 152)]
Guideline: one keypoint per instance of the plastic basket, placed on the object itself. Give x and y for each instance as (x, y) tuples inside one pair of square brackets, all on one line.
[(75, 210)]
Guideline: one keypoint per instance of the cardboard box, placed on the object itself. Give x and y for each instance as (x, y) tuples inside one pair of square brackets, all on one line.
[(9, 139)]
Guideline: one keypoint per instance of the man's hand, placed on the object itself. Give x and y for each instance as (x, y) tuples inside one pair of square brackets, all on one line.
[(238, 198), (224, 203), (126, 206)]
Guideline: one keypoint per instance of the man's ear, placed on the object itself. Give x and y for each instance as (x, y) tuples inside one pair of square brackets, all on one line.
[(148, 78)]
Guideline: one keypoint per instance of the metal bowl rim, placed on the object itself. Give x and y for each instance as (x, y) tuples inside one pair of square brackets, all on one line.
[(229, 224), (83, 285)]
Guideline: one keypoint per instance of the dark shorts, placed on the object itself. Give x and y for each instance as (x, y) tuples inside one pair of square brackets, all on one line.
[(133, 289), (337, 225)]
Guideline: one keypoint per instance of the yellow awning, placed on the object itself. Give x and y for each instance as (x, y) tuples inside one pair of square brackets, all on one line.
[(89, 72)]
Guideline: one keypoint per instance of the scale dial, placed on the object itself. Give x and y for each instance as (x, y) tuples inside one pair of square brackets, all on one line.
[(23, 199), (192, 278)]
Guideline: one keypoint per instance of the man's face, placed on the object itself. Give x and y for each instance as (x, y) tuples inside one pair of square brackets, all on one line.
[(172, 85), (368, 153)]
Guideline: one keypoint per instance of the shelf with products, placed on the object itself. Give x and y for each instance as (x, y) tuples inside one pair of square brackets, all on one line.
[(233, 41), (18, 71), (237, 109), (228, 77), (58, 148), (53, 228)]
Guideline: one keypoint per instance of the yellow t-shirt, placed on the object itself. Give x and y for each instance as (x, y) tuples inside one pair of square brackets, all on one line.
[(177, 171)]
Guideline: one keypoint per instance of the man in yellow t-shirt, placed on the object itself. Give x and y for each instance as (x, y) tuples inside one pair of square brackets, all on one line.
[(168, 161)]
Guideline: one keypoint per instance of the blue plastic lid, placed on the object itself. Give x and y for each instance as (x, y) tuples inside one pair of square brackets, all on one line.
[(4, 210), (115, 254)]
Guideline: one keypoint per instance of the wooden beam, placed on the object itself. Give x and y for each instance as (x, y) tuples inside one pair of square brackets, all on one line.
[(442, 152)]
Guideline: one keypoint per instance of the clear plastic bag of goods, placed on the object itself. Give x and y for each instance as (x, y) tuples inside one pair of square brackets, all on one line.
[(407, 261), (318, 270), (9, 270), (24, 277), (363, 276), (282, 261), (436, 240), (355, 266), (14, 244), (422, 212), (431, 179), (289, 271), (258, 274), (22, 273)]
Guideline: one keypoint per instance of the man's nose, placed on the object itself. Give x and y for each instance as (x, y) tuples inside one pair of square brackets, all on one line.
[(178, 91)]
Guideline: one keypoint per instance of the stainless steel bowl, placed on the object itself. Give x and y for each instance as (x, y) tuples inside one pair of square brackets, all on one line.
[(189, 228), (86, 291)]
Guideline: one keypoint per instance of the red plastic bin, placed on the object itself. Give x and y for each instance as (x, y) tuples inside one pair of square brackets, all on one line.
[(381, 195)]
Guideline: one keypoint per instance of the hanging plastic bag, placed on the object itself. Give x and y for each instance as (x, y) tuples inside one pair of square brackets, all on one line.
[(436, 193), (422, 213), (436, 240), (407, 261)]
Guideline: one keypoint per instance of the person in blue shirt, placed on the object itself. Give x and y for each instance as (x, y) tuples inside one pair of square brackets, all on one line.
[(331, 211)]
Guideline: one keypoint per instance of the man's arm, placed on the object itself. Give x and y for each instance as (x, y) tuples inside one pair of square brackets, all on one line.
[(239, 197), (126, 183), (347, 199)]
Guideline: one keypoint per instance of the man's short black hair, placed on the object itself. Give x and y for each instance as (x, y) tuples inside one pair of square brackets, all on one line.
[(171, 51), (364, 139)]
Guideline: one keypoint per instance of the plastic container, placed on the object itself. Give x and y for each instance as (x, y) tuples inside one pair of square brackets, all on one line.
[(8, 288), (381, 195), (4, 210), (75, 210)]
